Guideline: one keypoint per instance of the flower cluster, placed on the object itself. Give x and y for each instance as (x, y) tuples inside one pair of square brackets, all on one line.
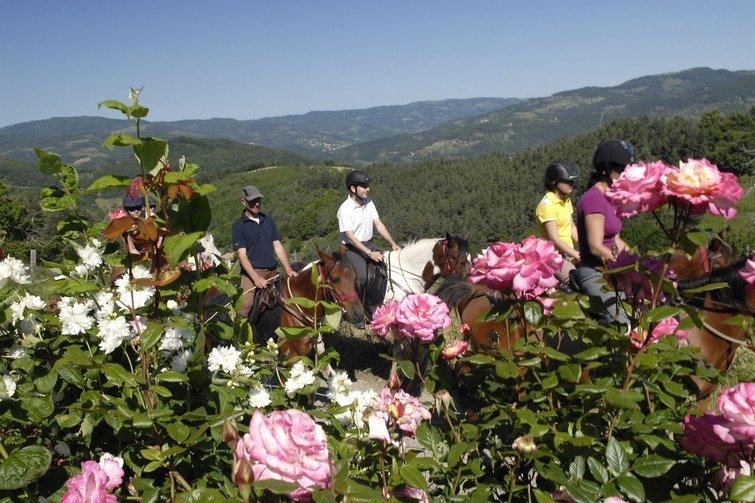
[(398, 409), (353, 402), (95, 481), (416, 316), (91, 257), (528, 267), (726, 438), (13, 269), (284, 445), (696, 183)]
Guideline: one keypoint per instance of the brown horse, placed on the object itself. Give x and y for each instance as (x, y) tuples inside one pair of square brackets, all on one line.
[(336, 280), (717, 339)]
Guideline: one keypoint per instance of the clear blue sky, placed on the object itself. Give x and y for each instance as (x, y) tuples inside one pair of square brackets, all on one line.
[(252, 59)]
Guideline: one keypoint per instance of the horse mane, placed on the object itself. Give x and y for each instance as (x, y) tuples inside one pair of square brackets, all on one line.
[(734, 295), (455, 290)]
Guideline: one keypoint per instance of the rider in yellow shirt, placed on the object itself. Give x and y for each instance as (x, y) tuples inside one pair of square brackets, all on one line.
[(555, 214)]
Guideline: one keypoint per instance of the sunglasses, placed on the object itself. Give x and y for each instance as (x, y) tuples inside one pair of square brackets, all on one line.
[(133, 208), (254, 202)]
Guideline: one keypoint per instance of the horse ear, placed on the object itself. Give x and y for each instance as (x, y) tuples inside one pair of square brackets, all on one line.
[(448, 237), (342, 249), (324, 256)]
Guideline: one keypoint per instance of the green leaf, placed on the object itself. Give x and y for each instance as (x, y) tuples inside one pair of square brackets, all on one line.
[(533, 312), (652, 466), (661, 313), (151, 335), (567, 309), (632, 487), (113, 104), (577, 468), (38, 407), (616, 457), (178, 431), (505, 370), (70, 179), (177, 247), (413, 476), (120, 140), (743, 489), (24, 466), (597, 470), (151, 152), (205, 284), (301, 301), (623, 399), (593, 353), (49, 163), (199, 214), (108, 182), (72, 375), (705, 288), (172, 376), (53, 204), (141, 420), (570, 372), (275, 486), (361, 493), (201, 495)]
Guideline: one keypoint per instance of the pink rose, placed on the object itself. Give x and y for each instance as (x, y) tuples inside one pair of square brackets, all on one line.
[(638, 189), (289, 446), (709, 435), (529, 266), (737, 404), (748, 273), (669, 326), (92, 484), (699, 183), (454, 349), (384, 318), (496, 266), (402, 409), (419, 316)]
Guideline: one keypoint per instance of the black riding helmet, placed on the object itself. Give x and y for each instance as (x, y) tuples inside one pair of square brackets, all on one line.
[(560, 171), (612, 154), (357, 177)]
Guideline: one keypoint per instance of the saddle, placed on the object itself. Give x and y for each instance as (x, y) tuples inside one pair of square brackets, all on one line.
[(376, 284), (264, 300)]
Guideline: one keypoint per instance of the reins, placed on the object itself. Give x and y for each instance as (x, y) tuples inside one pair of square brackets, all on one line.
[(403, 274)]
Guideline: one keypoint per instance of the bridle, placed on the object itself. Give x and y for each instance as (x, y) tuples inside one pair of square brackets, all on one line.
[(330, 294), (708, 262)]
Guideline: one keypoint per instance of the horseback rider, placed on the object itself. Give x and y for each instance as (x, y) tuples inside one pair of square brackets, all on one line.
[(357, 219), (555, 214), (598, 228), (257, 242)]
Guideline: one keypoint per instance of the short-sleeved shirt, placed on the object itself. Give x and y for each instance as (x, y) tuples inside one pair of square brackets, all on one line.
[(553, 208), (358, 218), (594, 201), (257, 238)]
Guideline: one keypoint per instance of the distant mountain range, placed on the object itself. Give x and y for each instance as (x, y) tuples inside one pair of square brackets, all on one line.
[(397, 134)]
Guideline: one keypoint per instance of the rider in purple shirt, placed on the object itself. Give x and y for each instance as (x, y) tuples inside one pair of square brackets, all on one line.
[(598, 228)]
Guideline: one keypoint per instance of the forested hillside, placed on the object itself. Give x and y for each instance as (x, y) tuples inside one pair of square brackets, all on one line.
[(491, 197)]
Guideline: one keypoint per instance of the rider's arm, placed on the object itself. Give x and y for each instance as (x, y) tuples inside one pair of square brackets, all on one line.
[(248, 268), (354, 242), (551, 229), (595, 230), (280, 252), (383, 230)]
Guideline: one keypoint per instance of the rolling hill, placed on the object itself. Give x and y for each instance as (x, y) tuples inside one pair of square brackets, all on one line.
[(540, 121)]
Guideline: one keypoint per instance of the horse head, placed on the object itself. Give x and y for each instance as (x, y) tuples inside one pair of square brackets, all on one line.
[(717, 338), (338, 273), (718, 254), (450, 255)]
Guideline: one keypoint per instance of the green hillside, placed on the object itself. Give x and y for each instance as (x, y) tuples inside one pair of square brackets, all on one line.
[(566, 114)]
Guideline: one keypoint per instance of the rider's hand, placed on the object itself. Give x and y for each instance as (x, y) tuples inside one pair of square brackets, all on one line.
[(259, 281), (375, 255)]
